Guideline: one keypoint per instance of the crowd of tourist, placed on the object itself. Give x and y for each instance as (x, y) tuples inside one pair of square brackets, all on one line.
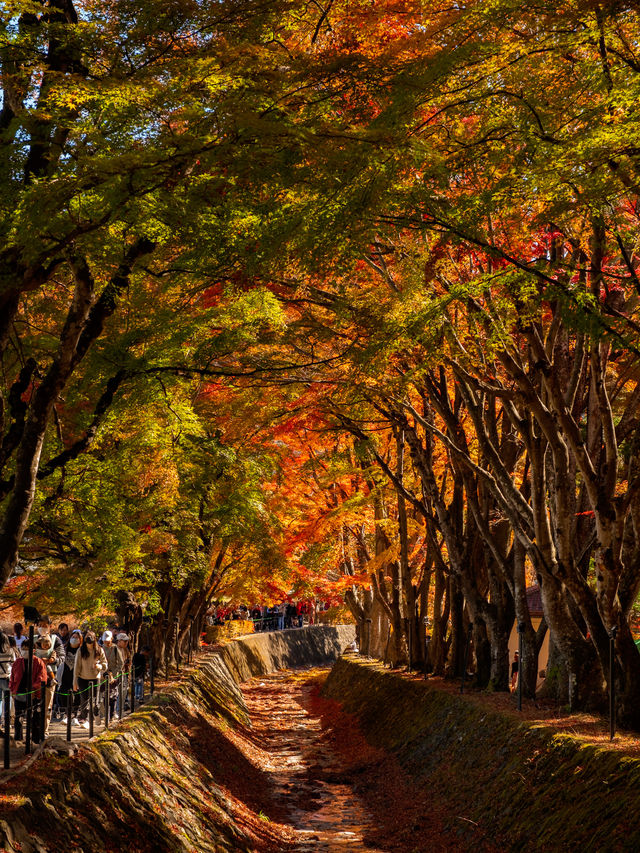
[(287, 614), (66, 663)]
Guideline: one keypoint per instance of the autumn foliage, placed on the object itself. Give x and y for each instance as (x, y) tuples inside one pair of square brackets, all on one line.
[(333, 302)]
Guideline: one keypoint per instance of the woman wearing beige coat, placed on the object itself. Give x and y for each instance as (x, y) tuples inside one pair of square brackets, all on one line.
[(89, 665)]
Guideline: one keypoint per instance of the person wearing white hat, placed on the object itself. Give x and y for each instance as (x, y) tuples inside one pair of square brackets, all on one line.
[(45, 650), (116, 666), (53, 652)]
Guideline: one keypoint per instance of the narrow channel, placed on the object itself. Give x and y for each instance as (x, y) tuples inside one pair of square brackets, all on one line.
[(332, 790), (323, 811)]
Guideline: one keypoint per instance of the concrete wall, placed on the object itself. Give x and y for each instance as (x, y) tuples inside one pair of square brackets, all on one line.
[(259, 654)]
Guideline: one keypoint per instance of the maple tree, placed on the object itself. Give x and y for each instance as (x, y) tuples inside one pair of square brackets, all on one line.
[(128, 142), (381, 260)]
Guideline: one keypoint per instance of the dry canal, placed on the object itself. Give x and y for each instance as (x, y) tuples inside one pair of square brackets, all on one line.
[(232, 759), (329, 790)]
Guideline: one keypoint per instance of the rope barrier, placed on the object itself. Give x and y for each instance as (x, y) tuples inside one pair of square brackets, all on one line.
[(31, 705), (98, 681)]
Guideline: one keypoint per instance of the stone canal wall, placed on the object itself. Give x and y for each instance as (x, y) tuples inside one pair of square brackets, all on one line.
[(259, 654), (149, 784), (528, 787)]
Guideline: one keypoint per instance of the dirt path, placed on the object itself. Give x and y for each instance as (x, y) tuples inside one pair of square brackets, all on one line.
[(330, 789)]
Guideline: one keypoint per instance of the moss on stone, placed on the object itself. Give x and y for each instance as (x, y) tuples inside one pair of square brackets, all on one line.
[(528, 786)]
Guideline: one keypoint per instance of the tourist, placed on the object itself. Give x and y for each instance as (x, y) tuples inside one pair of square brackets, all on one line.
[(54, 657), (291, 616), (66, 680), (123, 645), (6, 659), (122, 640), (89, 665), (110, 652), (45, 650), (272, 616), (514, 670), (20, 689), (58, 705), (18, 636), (115, 665), (139, 661)]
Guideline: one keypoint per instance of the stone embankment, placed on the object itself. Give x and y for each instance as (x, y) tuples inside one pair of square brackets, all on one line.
[(526, 786), (187, 773), (148, 784)]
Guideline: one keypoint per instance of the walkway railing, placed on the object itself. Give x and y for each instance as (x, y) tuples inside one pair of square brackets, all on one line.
[(104, 699), (277, 622)]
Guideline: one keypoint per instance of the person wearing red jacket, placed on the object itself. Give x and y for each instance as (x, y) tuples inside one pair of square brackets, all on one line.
[(19, 688)]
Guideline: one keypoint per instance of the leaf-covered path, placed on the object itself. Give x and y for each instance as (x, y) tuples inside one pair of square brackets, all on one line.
[(308, 777), (330, 790)]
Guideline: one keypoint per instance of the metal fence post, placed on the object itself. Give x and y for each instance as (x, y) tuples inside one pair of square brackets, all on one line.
[(91, 704), (107, 699), (132, 688), (521, 627), (69, 712), (151, 673), (27, 737), (426, 645), (612, 683), (43, 708), (121, 694), (6, 706), (29, 703)]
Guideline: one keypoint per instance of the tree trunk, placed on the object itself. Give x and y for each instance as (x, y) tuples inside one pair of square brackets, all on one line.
[(455, 665), (483, 653), (441, 607)]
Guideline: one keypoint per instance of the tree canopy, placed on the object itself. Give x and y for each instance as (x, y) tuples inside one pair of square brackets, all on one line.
[(328, 300)]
